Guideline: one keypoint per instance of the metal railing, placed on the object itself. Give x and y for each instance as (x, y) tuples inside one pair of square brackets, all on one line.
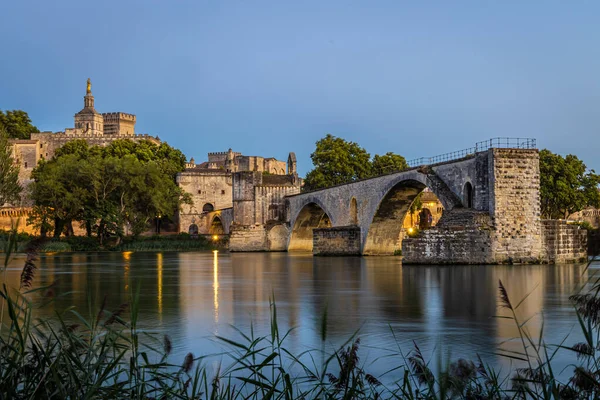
[(499, 142)]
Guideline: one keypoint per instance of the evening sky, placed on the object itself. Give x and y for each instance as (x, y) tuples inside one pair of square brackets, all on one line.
[(265, 78)]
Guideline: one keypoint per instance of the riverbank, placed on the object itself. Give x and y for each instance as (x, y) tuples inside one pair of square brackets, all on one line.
[(178, 242)]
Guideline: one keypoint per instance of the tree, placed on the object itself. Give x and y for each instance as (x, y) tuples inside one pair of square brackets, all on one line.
[(337, 161), (17, 124), (10, 189), (105, 188), (387, 163), (566, 186)]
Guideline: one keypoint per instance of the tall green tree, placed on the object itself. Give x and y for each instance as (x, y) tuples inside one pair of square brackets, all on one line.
[(387, 163), (337, 161), (104, 188), (10, 189), (566, 186), (17, 124)]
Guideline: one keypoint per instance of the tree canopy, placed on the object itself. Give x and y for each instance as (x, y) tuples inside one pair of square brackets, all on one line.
[(10, 190), (389, 162), (566, 186), (105, 188), (17, 124), (337, 161)]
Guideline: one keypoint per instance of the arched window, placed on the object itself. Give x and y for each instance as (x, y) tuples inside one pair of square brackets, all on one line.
[(208, 207), (468, 195), (193, 230)]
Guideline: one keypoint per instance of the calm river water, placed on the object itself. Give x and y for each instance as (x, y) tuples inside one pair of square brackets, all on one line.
[(194, 296)]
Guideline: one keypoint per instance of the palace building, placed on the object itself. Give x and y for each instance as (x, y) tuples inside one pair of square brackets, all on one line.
[(95, 128)]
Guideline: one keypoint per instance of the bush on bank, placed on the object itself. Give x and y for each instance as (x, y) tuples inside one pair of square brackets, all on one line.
[(178, 242), (107, 356)]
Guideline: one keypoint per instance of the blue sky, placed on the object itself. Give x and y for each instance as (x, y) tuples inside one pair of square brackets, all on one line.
[(266, 78)]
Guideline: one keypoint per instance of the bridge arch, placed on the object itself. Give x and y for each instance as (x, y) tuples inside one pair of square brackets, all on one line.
[(216, 226), (311, 216), (383, 232)]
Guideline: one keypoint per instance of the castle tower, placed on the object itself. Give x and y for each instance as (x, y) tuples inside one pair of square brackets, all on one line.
[(89, 121), (229, 161), (292, 164)]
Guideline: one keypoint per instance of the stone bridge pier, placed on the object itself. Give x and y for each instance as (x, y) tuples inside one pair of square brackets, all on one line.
[(491, 212)]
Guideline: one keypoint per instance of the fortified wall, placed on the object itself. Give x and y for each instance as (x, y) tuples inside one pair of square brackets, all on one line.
[(259, 211)]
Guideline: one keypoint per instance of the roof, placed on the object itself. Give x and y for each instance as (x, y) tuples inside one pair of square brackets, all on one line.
[(277, 180)]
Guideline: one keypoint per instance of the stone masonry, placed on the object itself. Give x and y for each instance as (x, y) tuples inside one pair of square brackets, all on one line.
[(564, 242), (491, 211), (338, 241)]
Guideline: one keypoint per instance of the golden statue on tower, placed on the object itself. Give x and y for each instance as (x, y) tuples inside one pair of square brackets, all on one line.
[(89, 86)]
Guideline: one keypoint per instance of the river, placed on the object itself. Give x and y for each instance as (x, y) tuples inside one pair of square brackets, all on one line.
[(449, 311)]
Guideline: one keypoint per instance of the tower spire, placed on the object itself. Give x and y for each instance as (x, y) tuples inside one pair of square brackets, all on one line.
[(88, 100)]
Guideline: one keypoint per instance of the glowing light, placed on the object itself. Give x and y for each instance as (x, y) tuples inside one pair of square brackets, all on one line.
[(159, 259), (215, 237), (127, 258), (410, 230), (216, 284)]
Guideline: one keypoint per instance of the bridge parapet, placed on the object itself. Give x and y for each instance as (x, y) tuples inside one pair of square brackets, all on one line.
[(494, 143)]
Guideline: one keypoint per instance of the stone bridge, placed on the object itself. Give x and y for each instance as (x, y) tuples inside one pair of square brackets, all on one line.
[(491, 212)]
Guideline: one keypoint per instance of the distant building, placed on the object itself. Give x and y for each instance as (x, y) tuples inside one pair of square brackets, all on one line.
[(211, 183), (95, 128)]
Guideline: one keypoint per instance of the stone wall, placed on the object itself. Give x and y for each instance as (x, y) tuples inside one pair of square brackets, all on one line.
[(514, 193), (247, 238), (462, 236), (49, 142), (338, 241), (563, 242), (212, 189), (16, 216)]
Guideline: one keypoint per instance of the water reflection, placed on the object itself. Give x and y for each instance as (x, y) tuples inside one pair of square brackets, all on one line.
[(193, 296)]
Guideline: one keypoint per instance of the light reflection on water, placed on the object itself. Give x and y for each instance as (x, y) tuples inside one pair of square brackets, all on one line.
[(194, 296)]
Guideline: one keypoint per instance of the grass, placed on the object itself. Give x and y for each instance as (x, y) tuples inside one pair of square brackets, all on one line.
[(106, 356)]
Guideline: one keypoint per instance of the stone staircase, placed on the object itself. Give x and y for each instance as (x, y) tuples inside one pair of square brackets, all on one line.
[(441, 190)]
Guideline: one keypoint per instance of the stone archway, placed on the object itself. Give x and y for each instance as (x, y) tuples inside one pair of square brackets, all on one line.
[(384, 232), (468, 195), (216, 227), (208, 207), (311, 216), (193, 229)]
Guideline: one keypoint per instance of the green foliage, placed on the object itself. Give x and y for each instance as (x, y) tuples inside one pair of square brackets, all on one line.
[(55, 246), (17, 124), (105, 188), (181, 242), (10, 190), (337, 161), (387, 163), (417, 204), (566, 186)]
